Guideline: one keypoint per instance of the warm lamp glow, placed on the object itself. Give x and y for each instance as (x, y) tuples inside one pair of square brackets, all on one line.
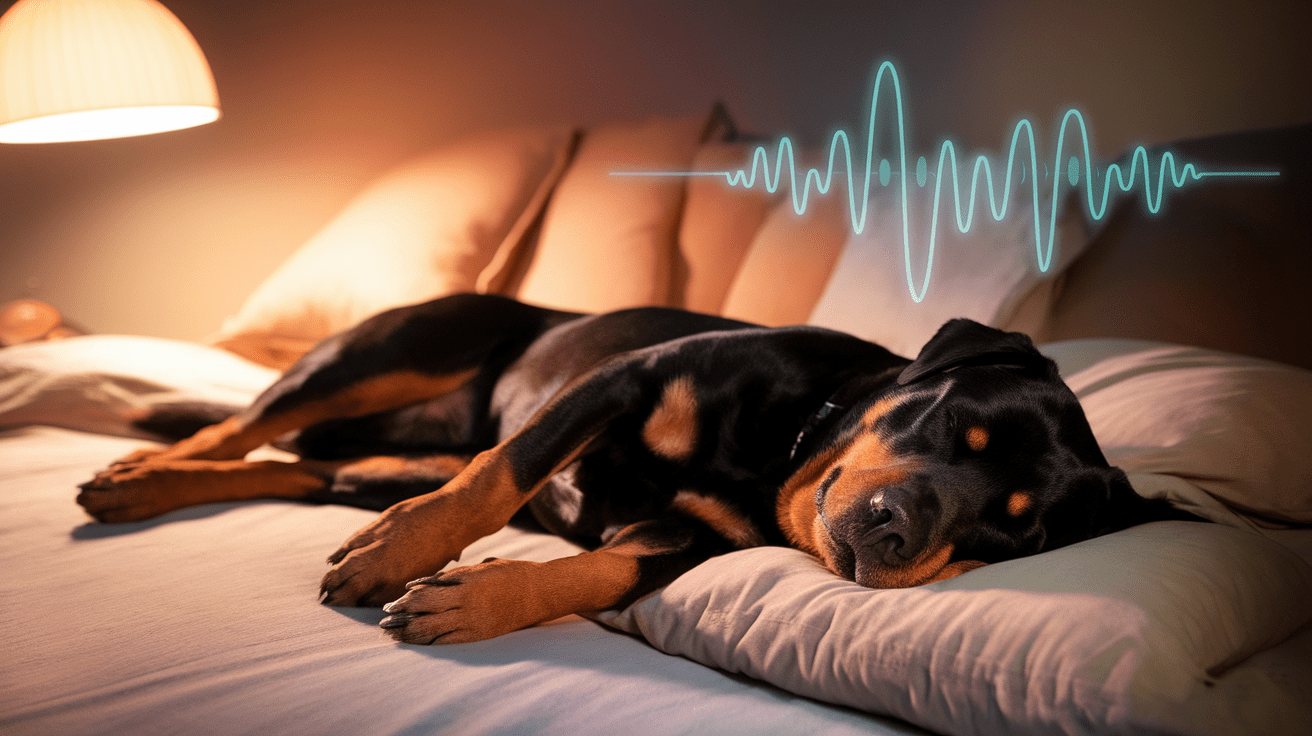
[(75, 70)]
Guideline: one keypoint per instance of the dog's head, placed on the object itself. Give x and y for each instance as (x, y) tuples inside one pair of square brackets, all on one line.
[(977, 453)]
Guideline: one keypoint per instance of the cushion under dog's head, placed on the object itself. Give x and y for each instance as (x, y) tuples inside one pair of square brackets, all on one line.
[(977, 453)]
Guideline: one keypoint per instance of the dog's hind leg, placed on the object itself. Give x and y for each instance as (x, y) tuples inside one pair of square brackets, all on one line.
[(134, 492), (145, 490), (400, 357), (397, 358)]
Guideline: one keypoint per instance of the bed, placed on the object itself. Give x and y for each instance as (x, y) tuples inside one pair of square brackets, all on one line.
[(205, 620)]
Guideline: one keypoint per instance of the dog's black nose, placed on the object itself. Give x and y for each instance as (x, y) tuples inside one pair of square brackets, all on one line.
[(883, 514), (899, 528)]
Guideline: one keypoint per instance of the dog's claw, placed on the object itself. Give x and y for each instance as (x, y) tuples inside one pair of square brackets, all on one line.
[(397, 621), (432, 580)]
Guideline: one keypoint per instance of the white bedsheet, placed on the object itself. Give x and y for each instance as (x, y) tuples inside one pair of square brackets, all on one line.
[(206, 621)]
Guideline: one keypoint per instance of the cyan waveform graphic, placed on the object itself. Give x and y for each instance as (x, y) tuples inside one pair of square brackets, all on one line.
[(858, 189)]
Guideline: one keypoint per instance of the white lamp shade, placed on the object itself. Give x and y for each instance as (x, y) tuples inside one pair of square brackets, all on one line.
[(90, 69)]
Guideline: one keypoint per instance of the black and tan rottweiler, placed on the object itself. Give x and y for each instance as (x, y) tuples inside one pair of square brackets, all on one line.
[(657, 438)]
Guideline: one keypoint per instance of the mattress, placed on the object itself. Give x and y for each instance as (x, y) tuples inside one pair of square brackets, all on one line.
[(207, 620)]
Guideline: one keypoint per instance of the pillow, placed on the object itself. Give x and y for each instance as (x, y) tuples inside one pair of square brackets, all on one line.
[(718, 226), (1130, 632), (983, 274), (1237, 428), (425, 229), (607, 242), (789, 262), (100, 383)]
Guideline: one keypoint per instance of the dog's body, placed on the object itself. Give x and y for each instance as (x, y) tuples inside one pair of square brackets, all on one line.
[(655, 436)]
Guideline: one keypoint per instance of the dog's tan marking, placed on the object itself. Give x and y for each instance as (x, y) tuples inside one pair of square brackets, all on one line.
[(924, 569), (795, 508), (494, 598), (419, 535), (877, 411), (977, 438), (386, 466), (1018, 503), (481, 499), (671, 429), (227, 440), (721, 517), (953, 569), (369, 396)]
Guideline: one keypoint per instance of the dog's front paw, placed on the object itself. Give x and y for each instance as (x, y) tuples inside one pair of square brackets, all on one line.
[(408, 541), (463, 605)]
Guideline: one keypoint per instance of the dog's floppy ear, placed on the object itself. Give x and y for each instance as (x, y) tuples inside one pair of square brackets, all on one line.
[(1126, 508), (961, 342), (1110, 504)]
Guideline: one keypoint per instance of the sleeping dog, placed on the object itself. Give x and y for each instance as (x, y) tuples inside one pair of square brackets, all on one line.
[(655, 437)]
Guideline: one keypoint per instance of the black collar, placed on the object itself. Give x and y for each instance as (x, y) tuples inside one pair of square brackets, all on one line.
[(849, 393), (814, 422)]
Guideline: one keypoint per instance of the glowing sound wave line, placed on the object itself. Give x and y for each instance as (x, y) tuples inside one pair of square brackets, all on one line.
[(760, 159)]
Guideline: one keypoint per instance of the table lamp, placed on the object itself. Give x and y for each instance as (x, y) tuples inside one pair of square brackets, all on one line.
[(76, 70), (79, 70)]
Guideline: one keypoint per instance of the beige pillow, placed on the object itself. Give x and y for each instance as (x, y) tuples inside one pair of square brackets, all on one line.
[(1142, 631), (790, 261), (1237, 428), (607, 242), (425, 229), (718, 226)]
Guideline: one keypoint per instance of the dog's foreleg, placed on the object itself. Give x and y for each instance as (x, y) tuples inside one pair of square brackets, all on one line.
[(418, 536), (499, 596)]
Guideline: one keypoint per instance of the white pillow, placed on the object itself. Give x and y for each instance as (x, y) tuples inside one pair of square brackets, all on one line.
[(1124, 633), (1237, 428), (983, 274), (99, 383)]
